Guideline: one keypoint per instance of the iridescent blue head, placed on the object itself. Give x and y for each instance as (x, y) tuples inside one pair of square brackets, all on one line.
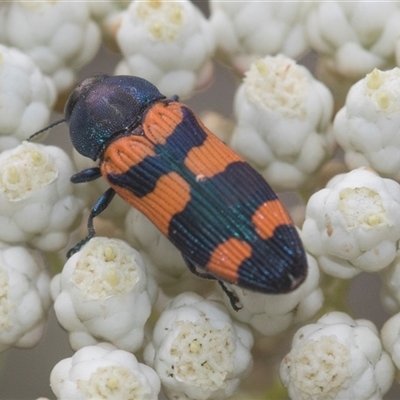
[(102, 107)]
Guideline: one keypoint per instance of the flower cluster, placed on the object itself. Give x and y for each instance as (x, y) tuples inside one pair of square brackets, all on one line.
[(104, 371), (24, 297), (141, 324), (243, 43), (26, 97), (60, 36), (104, 294), (157, 39), (367, 126), (351, 225), (198, 351), (283, 115), (337, 358), (354, 38)]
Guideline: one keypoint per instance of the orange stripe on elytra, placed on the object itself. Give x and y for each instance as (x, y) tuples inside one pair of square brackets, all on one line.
[(212, 157), (268, 217), (161, 121), (125, 152), (170, 196), (227, 258)]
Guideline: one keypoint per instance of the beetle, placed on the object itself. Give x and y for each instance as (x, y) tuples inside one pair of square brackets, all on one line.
[(156, 154)]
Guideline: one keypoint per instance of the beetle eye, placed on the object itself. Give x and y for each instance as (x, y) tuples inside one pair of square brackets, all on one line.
[(70, 104)]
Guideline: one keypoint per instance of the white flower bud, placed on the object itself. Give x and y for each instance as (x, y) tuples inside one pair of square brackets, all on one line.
[(169, 43), (58, 35), (353, 224), (197, 351), (249, 30), (26, 97), (367, 126), (283, 122), (38, 203), (104, 294), (337, 358), (103, 372), (24, 297), (355, 37), (391, 338), (390, 292)]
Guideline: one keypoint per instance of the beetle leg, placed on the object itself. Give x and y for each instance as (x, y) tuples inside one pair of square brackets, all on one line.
[(195, 271), (86, 175), (101, 204), (232, 297)]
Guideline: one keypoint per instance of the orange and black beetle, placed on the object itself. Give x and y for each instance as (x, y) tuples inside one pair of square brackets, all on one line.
[(214, 207)]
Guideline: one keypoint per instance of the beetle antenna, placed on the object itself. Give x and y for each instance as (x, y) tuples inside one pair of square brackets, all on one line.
[(45, 129)]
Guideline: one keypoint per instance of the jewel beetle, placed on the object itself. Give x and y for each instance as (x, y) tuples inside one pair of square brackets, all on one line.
[(214, 207)]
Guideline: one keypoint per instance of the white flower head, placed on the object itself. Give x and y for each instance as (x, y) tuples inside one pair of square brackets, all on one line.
[(169, 43), (58, 35), (162, 258), (38, 203), (355, 37), (272, 314), (337, 358), (246, 31), (26, 97), (103, 371), (104, 294), (24, 297), (367, 127), (353, 224), (197, 351), (283, 121)]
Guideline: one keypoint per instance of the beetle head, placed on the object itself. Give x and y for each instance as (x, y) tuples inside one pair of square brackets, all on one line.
[(102, 107)]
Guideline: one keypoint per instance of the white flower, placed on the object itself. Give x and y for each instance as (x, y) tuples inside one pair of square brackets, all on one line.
[(272, 314), (355, 37), (283, 122), (390, 292), (168, 43), (103, 372), (353, 224), (197, 351), (104, 294), (163, 259), (391, 338), (38, 203), (367, 127), (245, 31), (337, 358), (24, 297), (58, 35), (26, 97), (108, 14)]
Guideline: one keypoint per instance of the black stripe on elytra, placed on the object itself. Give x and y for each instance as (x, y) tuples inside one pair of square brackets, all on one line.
[(142, 177), (220, 208), (275, 263)]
